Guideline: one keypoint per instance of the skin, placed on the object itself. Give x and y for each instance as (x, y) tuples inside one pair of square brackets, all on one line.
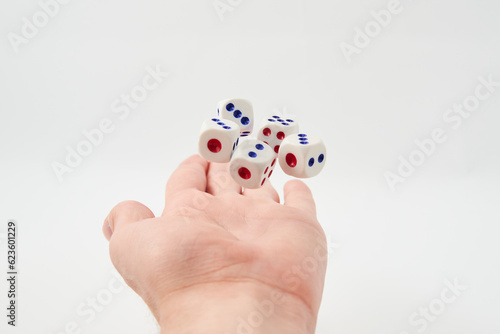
[(221, 261)]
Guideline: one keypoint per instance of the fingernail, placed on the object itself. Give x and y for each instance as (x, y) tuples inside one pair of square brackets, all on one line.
[(106, 229)]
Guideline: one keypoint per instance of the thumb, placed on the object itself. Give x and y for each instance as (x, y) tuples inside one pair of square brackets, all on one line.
[(123, 214)]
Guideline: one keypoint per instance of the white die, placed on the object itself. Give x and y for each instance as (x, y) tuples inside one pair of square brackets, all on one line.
[(302, 155), (274, 129), (252, 163), (218, 139), (239, 111)]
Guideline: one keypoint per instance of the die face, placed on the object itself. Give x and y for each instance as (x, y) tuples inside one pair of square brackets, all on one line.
[(268, 172), (251, 164), (275, 129), (239, 111), (302, 155), (315, 160), (218, 139)]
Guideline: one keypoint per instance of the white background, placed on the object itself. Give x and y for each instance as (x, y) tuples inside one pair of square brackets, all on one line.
[(392, 250)]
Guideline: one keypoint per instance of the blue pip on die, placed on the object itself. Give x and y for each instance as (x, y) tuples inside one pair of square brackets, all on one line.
[(239, 111), (218, 139), (275, 129), (302, 155), (252, 163)]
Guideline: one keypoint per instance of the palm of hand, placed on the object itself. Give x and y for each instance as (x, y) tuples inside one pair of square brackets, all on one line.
[(209, 233)]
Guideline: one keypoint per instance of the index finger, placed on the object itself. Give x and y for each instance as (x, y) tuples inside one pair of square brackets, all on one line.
[(191, 174)]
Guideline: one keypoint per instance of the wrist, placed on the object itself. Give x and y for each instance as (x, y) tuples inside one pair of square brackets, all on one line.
[(235, 308)]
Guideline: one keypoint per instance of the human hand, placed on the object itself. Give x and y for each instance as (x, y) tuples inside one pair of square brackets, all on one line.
[(219, 261)]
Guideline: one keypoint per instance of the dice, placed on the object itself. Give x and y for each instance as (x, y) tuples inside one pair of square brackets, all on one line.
[(218, 139), (274, 129), (252, 163), (239, 111), (302, 155)]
